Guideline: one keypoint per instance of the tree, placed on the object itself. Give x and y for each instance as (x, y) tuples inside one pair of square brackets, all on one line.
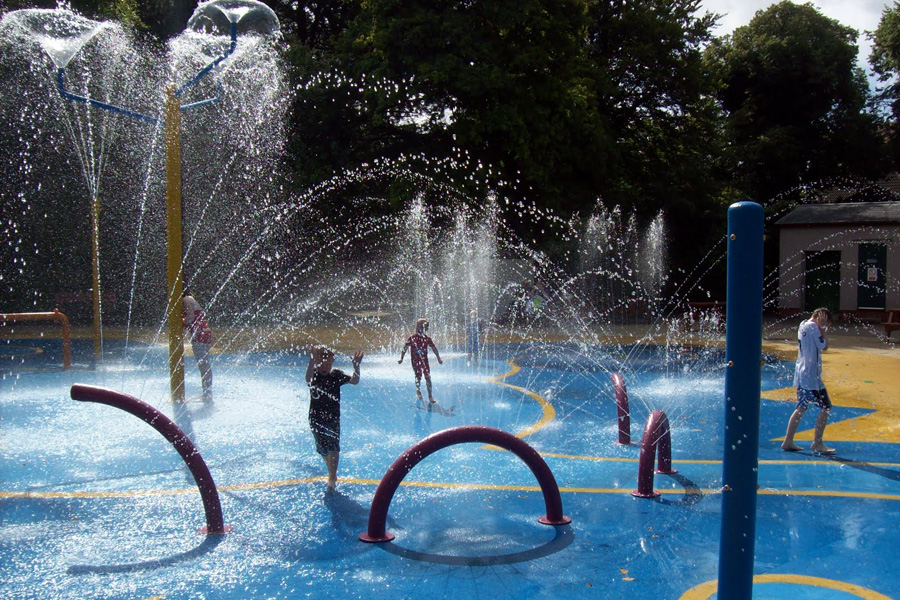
[(161, 18), (314, 24), (885, 61), (658, 101), (795, 102), (501, 80)]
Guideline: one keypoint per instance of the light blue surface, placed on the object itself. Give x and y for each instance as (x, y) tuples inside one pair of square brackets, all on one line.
[(113, 513)]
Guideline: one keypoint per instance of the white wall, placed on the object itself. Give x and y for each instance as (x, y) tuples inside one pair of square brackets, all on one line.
[(795, 241)]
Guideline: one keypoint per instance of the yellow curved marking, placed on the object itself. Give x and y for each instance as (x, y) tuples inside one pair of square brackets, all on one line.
[(828, 494), (549, 413), (700, 461), (854, 379), (705, 590)]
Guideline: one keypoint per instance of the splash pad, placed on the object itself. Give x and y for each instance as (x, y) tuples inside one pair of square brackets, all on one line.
[(74, 483), (88, 493)]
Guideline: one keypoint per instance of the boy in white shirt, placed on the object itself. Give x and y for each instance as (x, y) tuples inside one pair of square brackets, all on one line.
[(808, 381)]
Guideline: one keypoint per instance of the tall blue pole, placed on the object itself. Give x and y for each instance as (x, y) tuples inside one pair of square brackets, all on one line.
[(743, 356)]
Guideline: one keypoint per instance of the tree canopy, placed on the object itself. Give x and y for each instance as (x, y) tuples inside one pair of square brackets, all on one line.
[(561, 103), (885, 60), (795, 102)]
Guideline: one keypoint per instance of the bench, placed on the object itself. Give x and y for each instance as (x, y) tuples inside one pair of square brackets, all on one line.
[(892, 324)]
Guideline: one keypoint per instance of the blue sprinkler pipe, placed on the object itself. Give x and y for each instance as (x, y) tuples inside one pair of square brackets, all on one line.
[(207, 69), (61, 86), (743, 355)]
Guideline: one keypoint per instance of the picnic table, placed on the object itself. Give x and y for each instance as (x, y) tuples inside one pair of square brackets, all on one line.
[(892, 323)]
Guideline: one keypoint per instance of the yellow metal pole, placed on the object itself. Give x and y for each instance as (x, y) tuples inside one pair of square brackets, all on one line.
[(95, 260), (173, 240)]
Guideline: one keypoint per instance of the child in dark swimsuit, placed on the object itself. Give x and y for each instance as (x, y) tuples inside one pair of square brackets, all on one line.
[(325, 404)]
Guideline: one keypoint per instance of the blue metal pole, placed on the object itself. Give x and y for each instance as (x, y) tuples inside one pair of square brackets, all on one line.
[(743, 355), (61, 87)]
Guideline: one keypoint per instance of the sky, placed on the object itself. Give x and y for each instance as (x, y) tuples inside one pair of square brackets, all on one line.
[(862, 15)]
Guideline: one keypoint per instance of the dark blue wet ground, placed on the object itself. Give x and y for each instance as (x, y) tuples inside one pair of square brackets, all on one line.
[(95, 504)]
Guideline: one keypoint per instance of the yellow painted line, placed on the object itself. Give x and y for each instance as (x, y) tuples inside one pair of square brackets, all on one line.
[(169, 492), (8, 354), (306, 480), (705, 590), (120, 494), (719, 462), (589, 458), (846, 374), (549, 413), (827, 494)]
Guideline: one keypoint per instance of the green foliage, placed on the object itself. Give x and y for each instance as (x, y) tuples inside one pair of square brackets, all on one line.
[(795, 101), (656, 97), (500, 79), (161, 18), (314, 24), (551, 102), (885, 60), (559, 103), (885, 57)]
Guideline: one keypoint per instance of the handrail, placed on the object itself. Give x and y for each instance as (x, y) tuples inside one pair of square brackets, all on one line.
[(657, 440), (215, 523), (449, 437), (57, 316), (624, 415)]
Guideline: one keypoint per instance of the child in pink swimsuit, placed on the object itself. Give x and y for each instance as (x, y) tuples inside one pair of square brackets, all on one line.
[(201, 339), (418, 344)]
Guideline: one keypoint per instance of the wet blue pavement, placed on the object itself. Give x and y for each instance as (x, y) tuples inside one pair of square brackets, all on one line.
[(95, 504)]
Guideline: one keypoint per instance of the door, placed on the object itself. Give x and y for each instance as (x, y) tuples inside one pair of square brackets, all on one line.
[(872, 278), (823, 280)]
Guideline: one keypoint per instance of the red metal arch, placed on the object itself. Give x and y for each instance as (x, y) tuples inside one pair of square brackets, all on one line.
[(449, 437), (215, 523)]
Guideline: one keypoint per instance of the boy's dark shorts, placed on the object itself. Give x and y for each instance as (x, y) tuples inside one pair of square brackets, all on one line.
[(327, 436), (806, 397)]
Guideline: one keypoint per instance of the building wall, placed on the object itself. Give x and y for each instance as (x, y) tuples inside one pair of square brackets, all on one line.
[(796, 241)]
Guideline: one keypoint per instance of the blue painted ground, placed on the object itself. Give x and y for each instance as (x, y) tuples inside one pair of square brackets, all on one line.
[(95, 504)]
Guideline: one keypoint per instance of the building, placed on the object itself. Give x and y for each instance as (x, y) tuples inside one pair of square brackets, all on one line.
[(842, 256)]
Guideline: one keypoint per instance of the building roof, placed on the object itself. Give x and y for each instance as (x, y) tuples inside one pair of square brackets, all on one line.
[(842, 214)]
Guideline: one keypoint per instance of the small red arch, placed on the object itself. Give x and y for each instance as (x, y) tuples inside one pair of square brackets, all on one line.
[(657, 440), (449, 437)]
